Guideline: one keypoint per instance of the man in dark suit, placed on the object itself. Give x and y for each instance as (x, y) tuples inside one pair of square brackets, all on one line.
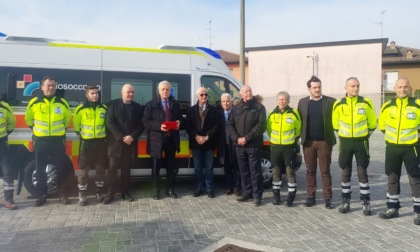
[(123, 123), (203, 126), (226, 150), (162, 139), (318, 139)]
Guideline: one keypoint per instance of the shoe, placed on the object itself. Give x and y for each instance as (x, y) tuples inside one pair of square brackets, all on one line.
[(345, 206), (197, 193), (108, 199), (243, 198), (417, 219), (257, 202), (171, 193), (389, 213), (366, 207), (237, 192), (63, 199), (40, 201), (210, 194), (309, 202), (276, 197), (328, 204), (127, 197), (156, 196), (290, 199), (82, 198), (228, 191), (9, 204), (99, 196)]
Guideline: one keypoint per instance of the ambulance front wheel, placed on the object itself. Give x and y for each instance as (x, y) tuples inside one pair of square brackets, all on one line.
[(29, 178)]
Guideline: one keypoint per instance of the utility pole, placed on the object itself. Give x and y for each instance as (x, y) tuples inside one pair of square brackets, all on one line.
[(313, 62), (242, 44)]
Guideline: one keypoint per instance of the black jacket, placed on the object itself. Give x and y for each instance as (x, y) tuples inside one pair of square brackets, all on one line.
[(248, 120), (327, 107), (153, 116), (221, 142), (118, 125), (210, 128)]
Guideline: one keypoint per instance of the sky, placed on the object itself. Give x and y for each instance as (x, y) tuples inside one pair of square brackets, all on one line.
[(212, 23)]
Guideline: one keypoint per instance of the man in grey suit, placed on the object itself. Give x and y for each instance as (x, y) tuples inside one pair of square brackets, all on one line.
[(318, 139)]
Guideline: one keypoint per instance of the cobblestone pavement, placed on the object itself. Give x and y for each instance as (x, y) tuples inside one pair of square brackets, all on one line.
[(192, 224)]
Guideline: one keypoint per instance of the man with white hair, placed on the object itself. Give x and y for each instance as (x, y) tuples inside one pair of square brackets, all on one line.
[(203, 126), (246, 127)]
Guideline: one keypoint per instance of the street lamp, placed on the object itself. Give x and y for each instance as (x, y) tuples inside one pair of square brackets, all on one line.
[(313, 62)]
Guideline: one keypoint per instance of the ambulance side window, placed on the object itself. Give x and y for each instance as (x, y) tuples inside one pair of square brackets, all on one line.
[(217, 86)]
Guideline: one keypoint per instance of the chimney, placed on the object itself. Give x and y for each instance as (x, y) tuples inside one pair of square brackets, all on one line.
[(393, 45), (410, 54)]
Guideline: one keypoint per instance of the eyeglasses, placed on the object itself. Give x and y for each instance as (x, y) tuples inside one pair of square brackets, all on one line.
[(204, 95)]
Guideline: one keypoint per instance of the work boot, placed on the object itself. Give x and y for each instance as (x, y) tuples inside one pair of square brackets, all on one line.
[(63, 199), (417, 219), (99, 195), (389, 213), (82, 198), (276, 197), (345, 206), (8, 200), (290, 198), (110, 197), (366, 207)]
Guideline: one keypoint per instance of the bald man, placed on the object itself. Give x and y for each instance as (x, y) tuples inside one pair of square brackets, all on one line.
[(124, 126)]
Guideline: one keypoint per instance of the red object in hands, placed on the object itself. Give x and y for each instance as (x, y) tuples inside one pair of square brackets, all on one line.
[(170, 125)]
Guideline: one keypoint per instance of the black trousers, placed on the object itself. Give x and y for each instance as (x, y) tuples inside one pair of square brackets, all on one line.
[(249, 161), (231, 168), (394, 158), (168, 161), (5, 166), (124, 162), (44, 150)]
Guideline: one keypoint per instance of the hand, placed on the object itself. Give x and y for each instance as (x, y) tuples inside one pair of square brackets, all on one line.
[(241, 141), (128, 140), (163, 128), (201, 139), (178, 123)]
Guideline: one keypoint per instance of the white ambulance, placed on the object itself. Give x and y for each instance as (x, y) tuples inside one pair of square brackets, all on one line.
[(25, 60)]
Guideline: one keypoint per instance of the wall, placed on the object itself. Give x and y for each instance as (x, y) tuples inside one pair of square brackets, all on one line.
[(272, 71)]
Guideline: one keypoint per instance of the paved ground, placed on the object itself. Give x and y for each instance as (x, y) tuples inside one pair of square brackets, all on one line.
[(192, 224)]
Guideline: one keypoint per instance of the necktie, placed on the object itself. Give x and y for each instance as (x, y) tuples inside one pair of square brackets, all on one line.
[(168, 117), (202, 116), (226, 132)]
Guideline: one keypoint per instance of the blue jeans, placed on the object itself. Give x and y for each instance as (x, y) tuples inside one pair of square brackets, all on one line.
[(203, 163)]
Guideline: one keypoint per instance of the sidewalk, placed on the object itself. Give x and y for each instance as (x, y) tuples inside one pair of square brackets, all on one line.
[(193, 224)]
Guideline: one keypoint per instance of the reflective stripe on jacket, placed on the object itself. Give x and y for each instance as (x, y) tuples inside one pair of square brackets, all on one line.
[(89, 120), (399, 120), (354, 117), (7, 120), (48, 117), (284, 128)]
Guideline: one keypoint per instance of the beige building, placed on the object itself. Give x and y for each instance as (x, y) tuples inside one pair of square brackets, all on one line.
[(276, 68)]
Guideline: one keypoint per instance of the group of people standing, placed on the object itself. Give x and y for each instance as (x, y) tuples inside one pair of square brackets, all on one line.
[(353, 119), (236, 132)]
